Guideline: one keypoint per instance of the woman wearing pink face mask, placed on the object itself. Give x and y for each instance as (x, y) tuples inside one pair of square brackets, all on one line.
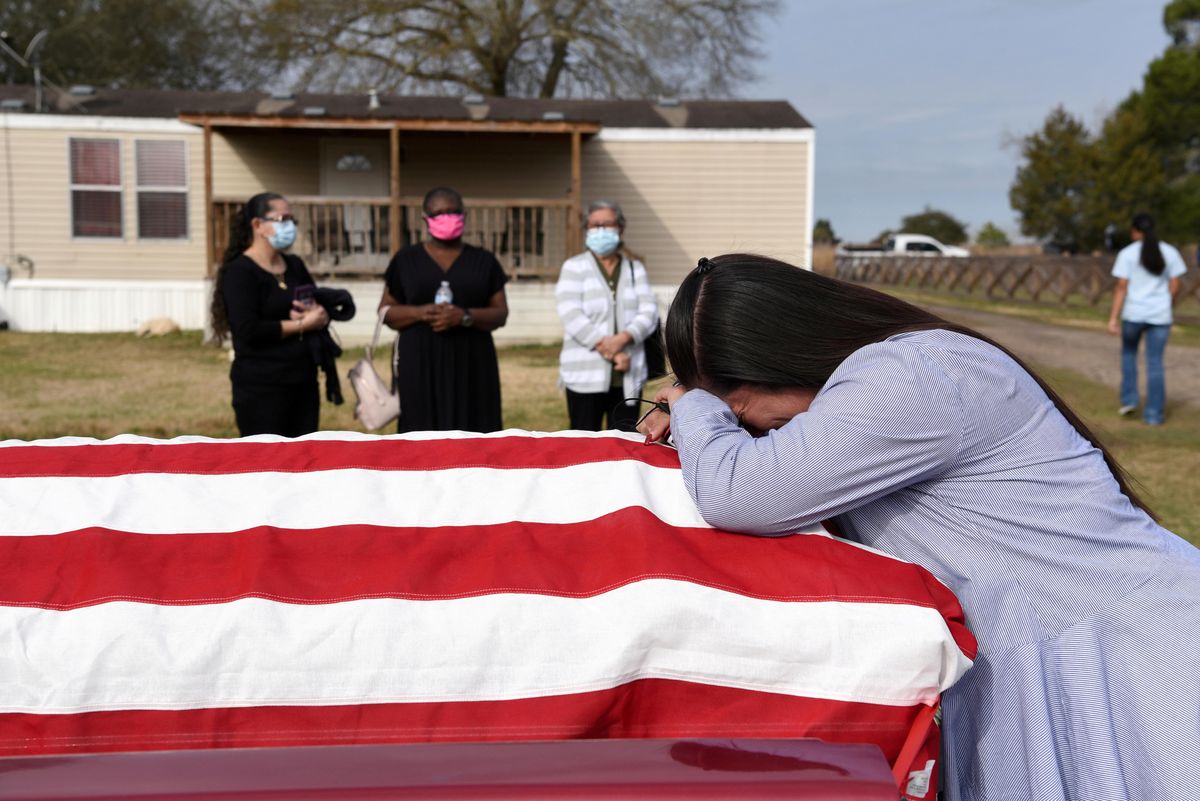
[(447, 375)]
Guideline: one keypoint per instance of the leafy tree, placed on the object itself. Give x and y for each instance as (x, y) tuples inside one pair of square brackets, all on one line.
[(527, 48), (1181, 18), (991, 236), (1146, 156), (1169, 105), (823, 233), (1052, 188), (1129, 174), (177, 44), (936, 223)]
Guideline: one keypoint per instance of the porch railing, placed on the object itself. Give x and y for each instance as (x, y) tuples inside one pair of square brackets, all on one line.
[(351, 237)]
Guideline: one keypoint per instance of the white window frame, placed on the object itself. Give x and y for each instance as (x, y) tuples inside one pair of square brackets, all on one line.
[(185, 190), (73, 187)]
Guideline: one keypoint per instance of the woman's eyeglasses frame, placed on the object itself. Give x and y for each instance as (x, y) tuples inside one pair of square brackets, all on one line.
[(655, 406)]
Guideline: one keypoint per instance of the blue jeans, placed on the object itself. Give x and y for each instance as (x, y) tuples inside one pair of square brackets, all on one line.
[(1156, 385)]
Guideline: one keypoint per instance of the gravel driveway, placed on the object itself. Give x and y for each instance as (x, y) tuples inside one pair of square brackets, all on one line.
[(1091, 353)]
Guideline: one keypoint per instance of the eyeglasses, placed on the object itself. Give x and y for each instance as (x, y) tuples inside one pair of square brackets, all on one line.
[(609, 226), (655, 406), (283, 218), (440, 213)]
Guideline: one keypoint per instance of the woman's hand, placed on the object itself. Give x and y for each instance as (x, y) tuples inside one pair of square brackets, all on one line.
[(445, 317), (312, 318), (621, 362), (1114, 326), (613, 344), (656, 426)]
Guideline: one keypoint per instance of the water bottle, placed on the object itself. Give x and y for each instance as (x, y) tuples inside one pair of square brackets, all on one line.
[(444, 294)]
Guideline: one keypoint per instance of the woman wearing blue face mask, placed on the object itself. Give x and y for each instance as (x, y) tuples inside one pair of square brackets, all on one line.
[(255, 301), (607, 310)]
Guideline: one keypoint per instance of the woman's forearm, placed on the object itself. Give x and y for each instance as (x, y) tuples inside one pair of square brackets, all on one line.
[(1118, 301), (489, 318), (400, 316)]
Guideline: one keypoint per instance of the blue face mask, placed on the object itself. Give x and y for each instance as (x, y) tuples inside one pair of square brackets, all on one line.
[(284, 234), (603, 241)]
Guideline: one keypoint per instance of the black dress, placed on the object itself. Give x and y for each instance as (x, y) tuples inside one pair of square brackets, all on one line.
[(450, 380)]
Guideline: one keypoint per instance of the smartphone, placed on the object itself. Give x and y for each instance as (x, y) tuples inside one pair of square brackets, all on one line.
[(305, 294)]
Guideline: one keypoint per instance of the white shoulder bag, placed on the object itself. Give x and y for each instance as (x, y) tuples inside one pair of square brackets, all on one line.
[(377, 404)]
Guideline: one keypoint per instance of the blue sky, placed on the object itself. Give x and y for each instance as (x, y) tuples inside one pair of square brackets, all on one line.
[(915, 100)]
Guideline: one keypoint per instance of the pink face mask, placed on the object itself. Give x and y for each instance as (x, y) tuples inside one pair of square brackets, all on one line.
[(446, 227)]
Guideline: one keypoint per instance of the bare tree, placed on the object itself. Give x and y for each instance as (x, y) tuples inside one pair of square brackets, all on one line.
[(526, 48)]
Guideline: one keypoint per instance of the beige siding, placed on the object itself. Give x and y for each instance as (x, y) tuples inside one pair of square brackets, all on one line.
[(487, 166), (477, 165), (35, 210), (251, 161), (684, 200)]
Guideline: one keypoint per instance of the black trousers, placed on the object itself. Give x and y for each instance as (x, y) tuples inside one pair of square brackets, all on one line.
[(290, 410), (588, 410)]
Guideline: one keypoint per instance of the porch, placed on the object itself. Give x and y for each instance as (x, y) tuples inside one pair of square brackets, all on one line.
[(353, 237), (521, 182)]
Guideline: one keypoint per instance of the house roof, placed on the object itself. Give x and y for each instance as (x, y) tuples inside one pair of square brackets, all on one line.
[(171, 104)]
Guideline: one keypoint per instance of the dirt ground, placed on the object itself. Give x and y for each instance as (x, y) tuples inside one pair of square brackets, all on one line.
[(1090, 353)]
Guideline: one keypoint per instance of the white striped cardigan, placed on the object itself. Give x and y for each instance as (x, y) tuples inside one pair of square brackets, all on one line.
[(585, 306)]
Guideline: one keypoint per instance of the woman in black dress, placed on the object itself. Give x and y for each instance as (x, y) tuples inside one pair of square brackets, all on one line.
[(447, 375), (274, 376)]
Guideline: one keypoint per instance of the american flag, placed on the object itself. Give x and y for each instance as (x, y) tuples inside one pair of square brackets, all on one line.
[(348, 588)]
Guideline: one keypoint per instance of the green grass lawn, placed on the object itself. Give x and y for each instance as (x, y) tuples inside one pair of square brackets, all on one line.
[(100, 385)]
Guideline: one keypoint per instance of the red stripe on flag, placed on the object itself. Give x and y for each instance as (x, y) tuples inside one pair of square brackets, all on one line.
[(342, 563), (655, 708), (311, 455)]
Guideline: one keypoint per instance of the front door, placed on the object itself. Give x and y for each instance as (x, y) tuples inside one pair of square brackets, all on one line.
[(352, 168)]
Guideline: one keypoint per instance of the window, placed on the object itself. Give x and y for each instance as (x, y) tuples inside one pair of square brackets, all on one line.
[(162, 197), (353, 162), (96, 188)]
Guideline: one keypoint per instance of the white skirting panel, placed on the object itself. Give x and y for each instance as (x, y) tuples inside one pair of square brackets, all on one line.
[(89, 306), (532, 313), (78, 305)]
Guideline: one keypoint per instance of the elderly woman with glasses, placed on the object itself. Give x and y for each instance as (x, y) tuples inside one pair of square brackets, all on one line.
[(608, 310), (446, 297), (264, 298)]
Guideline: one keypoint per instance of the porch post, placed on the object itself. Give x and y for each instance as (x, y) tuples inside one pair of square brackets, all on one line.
[(576, 208), (209, 233), (394, 214)]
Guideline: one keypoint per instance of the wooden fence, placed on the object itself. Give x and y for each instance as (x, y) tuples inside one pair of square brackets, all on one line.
[(1033, 279)]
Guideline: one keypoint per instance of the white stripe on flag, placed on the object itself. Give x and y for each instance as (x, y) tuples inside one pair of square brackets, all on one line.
[(323, 436), (495, 647), (167, 503)]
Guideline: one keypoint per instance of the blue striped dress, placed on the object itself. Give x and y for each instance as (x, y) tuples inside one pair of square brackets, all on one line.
[(939, 449)]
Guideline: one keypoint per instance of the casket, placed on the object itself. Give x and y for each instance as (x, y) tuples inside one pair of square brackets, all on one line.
[(346, 589)]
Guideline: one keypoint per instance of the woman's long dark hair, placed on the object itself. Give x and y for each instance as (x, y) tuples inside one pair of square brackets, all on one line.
[(744, 320), (1152, 257), (241, 235)]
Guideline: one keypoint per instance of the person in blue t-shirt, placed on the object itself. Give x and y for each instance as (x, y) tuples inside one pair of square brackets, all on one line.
[(1147, 273)]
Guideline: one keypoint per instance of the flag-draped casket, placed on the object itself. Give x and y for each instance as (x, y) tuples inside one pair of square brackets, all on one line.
[(346, 588)]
